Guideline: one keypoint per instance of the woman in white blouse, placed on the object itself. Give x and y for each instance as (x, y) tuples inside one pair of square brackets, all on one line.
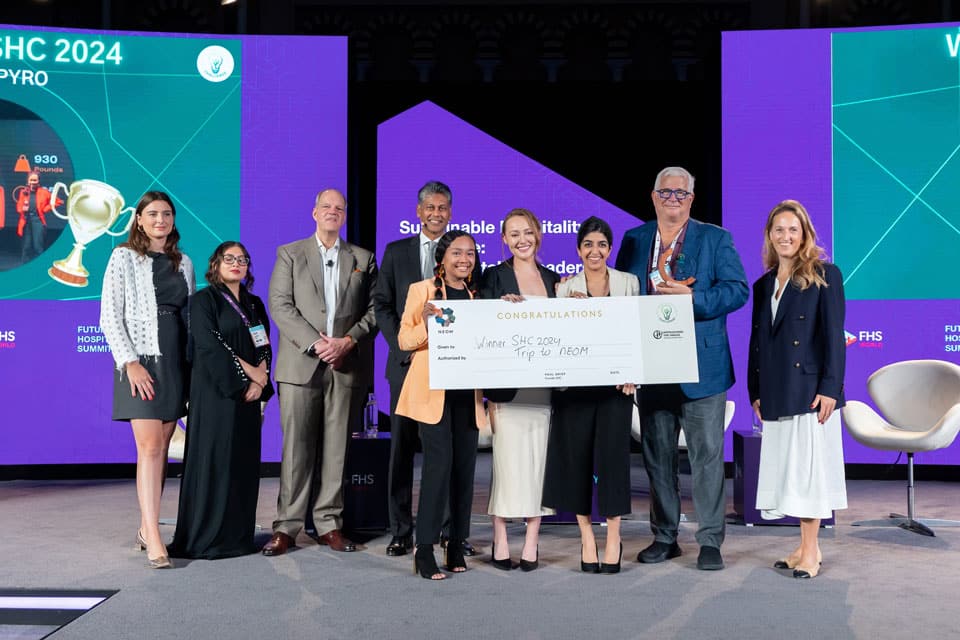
[(143, 317)]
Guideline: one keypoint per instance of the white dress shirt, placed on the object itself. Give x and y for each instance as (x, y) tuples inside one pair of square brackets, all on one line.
[(330, 263)]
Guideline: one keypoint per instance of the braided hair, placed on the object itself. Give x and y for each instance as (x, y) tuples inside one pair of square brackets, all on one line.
[(442, 245)]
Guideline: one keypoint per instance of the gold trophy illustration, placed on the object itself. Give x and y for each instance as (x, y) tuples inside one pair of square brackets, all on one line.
[(92, 208)]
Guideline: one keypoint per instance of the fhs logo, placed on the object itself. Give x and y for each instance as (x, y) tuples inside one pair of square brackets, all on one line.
[(447, 318), (865, 339), (215, 63), (8, 338)]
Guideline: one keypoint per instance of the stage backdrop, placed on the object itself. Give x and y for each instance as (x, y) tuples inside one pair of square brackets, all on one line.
[(240, 131), (863, 128), (488, 178)]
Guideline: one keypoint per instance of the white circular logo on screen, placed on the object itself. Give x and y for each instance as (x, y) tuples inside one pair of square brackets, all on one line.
[(215, 63)]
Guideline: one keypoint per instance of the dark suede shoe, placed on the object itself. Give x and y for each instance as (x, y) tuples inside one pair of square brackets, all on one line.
[(709, 559), (658, 552)]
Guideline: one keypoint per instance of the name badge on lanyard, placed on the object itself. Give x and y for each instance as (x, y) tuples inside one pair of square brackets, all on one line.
[(654, 275), (259, 335)]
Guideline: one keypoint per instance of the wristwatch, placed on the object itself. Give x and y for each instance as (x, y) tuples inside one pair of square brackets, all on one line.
[(312, 351)]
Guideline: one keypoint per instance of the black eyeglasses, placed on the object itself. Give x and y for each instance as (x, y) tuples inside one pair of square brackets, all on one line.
[(681, 194), (229, 258)]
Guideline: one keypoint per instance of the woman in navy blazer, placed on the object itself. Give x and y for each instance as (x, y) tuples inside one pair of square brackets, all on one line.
[(795, 380)]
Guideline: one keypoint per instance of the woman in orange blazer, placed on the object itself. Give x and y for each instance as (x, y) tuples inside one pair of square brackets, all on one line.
[(448, 420)]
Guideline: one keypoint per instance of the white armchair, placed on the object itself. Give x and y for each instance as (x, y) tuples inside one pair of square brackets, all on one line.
[(920, 405)]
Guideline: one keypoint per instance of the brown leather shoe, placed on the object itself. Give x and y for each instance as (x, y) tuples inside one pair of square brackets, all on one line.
[(278, 544), (335, 540)]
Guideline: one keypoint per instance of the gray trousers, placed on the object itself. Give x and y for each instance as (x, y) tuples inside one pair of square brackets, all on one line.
[(664, 410), (316, 420)]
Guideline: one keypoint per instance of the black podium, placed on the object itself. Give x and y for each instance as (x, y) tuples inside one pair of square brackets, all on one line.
[(365, 482)]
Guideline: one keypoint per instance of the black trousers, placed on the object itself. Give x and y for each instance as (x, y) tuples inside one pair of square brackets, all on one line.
[(449, 462), (589, 437), (403, 447)]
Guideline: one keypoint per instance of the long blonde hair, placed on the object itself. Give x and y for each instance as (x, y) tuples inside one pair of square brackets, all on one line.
[(808, 266)]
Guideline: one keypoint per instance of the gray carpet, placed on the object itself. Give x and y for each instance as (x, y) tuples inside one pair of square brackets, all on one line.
[(876, 582)]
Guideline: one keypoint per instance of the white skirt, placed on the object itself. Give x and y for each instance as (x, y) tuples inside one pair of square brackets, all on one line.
[(801, 468), (520, 430)]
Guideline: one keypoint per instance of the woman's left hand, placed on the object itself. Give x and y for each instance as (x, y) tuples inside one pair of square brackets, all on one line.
[(827, 405), (512, 297), (628, 389), (253, 392)]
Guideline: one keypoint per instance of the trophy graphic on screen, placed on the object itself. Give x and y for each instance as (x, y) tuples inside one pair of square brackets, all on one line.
[(92, 208)]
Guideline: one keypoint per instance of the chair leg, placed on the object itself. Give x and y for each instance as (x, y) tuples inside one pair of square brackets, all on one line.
[(909, 522)]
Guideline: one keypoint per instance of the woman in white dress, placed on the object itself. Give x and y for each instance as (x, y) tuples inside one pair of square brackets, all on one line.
[(520, 419), (795, 380)]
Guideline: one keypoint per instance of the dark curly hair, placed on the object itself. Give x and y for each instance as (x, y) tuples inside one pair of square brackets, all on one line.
[(216, 258), (442, 245)]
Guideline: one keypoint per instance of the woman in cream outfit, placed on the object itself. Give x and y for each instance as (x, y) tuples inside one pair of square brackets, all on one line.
[(520, 418)]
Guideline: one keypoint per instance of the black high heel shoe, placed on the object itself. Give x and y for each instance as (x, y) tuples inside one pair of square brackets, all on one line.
[(454, 560), (530, 565), (425, 563), (588, 567), (612, 568), (505, 564)]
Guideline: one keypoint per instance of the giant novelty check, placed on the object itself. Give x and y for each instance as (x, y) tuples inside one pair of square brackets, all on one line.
[(562, 342)]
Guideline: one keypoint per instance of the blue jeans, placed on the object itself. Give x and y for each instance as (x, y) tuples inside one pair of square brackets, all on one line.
[(664, 410)]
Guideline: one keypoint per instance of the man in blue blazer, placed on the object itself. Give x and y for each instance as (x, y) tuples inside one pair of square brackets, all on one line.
[(704, 253)]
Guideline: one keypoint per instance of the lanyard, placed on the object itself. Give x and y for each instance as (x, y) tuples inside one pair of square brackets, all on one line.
[(228, 298)]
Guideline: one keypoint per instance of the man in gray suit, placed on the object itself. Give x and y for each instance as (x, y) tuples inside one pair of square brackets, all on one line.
[(321, 301)]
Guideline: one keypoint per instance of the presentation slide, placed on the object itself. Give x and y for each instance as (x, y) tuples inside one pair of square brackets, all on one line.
[(862, 127), (230, 127)]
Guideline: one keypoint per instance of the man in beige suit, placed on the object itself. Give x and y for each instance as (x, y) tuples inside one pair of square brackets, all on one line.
[(320, 299)]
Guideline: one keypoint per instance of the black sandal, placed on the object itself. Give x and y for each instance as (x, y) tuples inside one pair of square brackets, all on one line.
[(455, 562), (425, 563)]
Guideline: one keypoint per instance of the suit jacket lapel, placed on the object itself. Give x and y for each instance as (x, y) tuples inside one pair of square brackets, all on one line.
[(689, 251), (411, 265), (312, 251), (348, 262), (787, 297), (645, 246)]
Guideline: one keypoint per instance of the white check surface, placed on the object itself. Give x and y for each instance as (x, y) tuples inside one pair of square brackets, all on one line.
[(563, 342)]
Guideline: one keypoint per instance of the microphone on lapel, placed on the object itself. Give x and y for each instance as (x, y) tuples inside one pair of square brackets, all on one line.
[(329, 263)]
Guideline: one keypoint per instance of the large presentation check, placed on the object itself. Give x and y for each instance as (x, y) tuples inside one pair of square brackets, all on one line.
[(562, 342)]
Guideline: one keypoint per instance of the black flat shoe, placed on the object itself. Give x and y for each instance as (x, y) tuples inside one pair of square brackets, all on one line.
[(425, 563), (530, 565), (588, 567), (506, 564), (612, 568)]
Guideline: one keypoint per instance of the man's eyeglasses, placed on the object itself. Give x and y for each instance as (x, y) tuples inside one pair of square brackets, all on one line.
[(681, 194), (229, 258)]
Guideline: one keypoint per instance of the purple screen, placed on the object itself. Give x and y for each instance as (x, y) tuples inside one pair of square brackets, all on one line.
[(786, 135), (488, 179), (288, 140)]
